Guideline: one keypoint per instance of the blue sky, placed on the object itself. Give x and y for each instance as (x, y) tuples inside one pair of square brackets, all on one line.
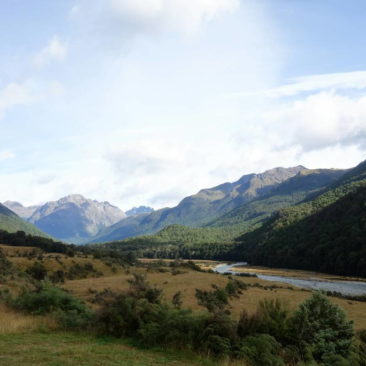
[(147, 101)]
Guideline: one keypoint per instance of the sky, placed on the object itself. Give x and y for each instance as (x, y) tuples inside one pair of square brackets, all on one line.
[(143, 102)]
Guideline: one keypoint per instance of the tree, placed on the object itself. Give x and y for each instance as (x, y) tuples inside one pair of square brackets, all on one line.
[(321, 327)]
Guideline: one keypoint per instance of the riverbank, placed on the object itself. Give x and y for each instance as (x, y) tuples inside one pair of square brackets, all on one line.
[(308, 280)]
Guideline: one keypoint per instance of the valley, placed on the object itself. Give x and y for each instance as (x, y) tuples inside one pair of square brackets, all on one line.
[(160, 289)]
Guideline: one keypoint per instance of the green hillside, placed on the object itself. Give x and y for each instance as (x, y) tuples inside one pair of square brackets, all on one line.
[(326, 233), (211, 242), (202, 208), (12, 223), (306, 183)]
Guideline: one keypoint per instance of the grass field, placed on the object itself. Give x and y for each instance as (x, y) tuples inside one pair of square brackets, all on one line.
[(190, 280), (70, 349), (36, 340)]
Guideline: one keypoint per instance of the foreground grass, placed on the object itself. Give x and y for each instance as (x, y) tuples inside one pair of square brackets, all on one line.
[(70, 349)]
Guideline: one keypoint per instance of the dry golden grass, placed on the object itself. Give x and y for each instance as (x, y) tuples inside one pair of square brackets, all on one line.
[(54, 262), (11, 251), (14, 322), (189, 281)]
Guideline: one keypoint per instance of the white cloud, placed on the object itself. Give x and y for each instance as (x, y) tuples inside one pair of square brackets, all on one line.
[(6, 154), (178, 15), (28, 92), (17, 94), (320, 121), (56, 50), (311, 83)]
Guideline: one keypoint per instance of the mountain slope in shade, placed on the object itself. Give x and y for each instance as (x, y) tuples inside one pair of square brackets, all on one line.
[(326, 233), (12, 223), (203, 207), (75, 218), (22, 211)]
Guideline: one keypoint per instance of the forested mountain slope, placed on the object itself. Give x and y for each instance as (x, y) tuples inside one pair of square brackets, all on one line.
[(327, 233), (203, 207), (292, 191), (213, 241), (12, 223)]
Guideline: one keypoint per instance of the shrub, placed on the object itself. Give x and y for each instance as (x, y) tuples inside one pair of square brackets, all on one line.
[(140, 288), (37, 271), (48, 299), (217, 335), (6, 267), (58, 276), (177, 300), (274, 318), (322, 327), (214, 300), (261, 350)]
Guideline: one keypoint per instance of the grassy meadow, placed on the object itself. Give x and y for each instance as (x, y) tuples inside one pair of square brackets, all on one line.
[(27, 339)]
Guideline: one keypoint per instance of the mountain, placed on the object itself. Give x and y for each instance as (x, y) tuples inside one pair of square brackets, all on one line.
[(135, 211), (292, 191), (12, 223), (325, 233), (75, 218), (203, 207), (219, 236), (22, 211)]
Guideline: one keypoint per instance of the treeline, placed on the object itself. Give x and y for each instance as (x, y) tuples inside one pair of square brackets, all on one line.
[(20, 238), (325, 235), (176, 241)]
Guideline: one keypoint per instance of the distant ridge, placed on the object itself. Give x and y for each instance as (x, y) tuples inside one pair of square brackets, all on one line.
[(22, 211), (202, 208), (74, 218)]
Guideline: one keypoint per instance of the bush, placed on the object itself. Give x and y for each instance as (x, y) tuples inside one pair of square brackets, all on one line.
[(6, 267), (322, 328), (48, 299), (37, 271), (274, 319), (73, 319), (58, 276), (261, 350)]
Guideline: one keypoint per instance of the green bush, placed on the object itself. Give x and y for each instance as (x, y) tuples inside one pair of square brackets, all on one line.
[(37, 271), (261, 350), (321, 327), (317, 334), (49, 299)]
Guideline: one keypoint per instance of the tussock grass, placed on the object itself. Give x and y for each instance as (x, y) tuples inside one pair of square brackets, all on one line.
[(15, 322), (54, 262)]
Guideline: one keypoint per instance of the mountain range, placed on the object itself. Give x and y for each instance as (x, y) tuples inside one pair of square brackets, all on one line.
[(73, 218), (315, 220), (209, 205), (218, 214)]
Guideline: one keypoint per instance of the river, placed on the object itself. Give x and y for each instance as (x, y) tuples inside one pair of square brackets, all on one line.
[(354, 288)]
